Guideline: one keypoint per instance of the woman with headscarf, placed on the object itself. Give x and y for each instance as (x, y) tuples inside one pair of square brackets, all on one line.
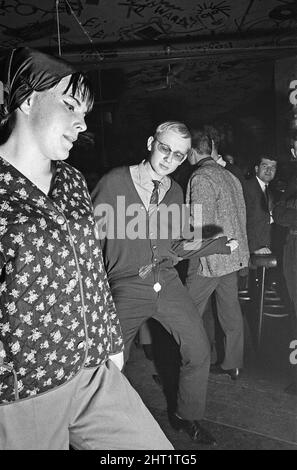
[(60, 338)]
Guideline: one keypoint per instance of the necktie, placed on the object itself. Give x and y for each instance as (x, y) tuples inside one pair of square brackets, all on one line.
[(266, 195), (144, 271), (154, 200)]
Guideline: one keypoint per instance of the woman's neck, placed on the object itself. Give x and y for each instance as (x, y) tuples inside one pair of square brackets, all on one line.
[(37, 170)]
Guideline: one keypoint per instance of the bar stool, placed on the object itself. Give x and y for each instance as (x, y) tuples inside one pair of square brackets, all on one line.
[(264, 262)]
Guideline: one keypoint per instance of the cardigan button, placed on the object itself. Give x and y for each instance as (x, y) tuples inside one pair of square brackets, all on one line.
[(80, 345), (60, 219)]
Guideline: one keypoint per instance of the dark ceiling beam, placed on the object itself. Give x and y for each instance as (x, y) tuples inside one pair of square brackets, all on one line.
[(265, 53), (110, 55), (261, 35)]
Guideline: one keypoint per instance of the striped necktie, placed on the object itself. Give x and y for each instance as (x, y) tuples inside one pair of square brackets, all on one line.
[(154, 200)]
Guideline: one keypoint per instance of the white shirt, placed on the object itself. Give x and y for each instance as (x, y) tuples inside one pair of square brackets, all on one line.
[(221, 161), (142, 177)]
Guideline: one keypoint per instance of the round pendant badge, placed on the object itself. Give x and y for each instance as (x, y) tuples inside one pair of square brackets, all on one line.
[(157, 287)]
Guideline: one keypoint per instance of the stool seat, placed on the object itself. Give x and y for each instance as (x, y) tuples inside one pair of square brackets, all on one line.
[(265, 261), (262, 263)]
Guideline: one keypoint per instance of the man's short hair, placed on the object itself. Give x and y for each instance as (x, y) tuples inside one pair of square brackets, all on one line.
[(267, 157), (201, 142), (213, 133), (174, 126)]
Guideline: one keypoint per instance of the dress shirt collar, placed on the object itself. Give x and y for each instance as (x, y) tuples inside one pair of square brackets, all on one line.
[(147, 175), (221, 161), (262, 184)]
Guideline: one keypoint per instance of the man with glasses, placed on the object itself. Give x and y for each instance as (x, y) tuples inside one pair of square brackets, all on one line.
[(140, 263)]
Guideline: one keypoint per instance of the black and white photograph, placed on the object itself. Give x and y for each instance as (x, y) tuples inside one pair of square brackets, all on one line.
[(148, 228)]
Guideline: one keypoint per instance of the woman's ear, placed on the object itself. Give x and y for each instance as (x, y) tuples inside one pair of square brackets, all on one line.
[(150, 141)]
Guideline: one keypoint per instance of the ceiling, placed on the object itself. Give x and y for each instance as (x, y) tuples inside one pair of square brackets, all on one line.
[(201, 57)]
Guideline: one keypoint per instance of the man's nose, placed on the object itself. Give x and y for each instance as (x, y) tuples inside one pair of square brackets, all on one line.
[(169, 157)]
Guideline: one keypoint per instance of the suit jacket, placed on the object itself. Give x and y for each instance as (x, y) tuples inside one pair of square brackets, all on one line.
[(223, 211), (258, 216)]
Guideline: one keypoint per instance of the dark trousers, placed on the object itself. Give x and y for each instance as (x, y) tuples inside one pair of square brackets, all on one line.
[(228, 310), (136, 301)]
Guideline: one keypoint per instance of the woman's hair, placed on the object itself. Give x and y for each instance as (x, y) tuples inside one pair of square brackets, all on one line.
[(80, 85), (27, 70)]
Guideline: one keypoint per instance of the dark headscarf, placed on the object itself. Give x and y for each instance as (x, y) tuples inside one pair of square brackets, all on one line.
[(27, 70)]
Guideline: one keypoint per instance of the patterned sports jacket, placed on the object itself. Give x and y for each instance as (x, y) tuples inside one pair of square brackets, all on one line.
[(56, 310)]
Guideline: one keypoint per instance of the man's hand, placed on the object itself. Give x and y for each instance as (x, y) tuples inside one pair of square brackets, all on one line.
[(232, 243), (263, 251), (118, 359)]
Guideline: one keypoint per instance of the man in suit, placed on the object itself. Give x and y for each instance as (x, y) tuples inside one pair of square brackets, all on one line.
[(259, 203), (223, 211), (259, 206)]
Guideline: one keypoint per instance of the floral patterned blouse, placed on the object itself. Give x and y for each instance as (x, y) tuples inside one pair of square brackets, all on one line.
[(56, 310)]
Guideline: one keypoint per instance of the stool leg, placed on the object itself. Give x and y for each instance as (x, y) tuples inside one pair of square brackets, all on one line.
[(261, 306)]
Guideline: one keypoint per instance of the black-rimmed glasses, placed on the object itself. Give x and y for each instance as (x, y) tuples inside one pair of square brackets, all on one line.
[(166, 150)]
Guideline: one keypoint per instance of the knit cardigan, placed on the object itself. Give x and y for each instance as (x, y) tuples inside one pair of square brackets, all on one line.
[(116, 201)]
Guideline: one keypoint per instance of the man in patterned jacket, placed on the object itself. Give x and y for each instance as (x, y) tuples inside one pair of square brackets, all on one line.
[(60, 338), (223, 212)]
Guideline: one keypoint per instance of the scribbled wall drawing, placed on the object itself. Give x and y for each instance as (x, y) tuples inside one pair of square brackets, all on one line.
[(34, 31), (285, 12), (219, 49), (213, 14), (281, 15)]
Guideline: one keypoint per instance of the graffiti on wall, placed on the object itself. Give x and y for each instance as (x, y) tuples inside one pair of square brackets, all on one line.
[(34, 31), (283, 15), (207, 15), (28, 8), (144, 20)]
